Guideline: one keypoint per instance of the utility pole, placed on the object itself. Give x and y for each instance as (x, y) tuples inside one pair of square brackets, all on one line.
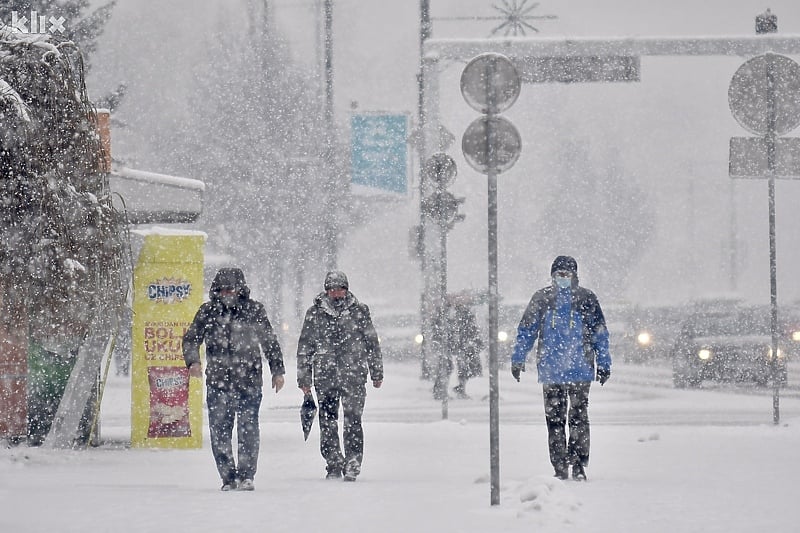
[(332, 176), (425, 31), (767, 22)]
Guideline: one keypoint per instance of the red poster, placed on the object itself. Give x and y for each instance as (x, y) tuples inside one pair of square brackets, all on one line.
[(169, 402)]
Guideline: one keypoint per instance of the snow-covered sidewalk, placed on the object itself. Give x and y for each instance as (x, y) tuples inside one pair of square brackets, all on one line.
[(423, 474)]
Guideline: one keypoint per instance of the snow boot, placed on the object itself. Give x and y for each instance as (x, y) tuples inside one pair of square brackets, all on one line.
[(229, 485), (351, 470), (333, 472), (578, 473)]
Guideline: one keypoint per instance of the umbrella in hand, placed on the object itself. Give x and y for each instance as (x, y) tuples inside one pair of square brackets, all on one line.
[(308, 411)]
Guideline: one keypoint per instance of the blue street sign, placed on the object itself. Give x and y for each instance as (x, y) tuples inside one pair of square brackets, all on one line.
[(379, 151)]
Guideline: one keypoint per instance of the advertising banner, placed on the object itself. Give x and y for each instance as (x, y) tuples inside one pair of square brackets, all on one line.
[(166, 406), (379, 152)]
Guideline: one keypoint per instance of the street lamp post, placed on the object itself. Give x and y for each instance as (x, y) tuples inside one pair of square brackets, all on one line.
[(425, 30), (331, 167)]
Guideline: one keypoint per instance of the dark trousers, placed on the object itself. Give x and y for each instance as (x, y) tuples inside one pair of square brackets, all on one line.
[(352, 400), (567, 403), (225, 407)]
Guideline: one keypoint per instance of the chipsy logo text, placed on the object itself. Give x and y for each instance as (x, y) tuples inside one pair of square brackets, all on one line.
[(169, 290)]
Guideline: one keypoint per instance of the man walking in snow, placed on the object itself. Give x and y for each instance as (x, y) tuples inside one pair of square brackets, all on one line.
[(236, 331), (338, 348), (571, 353)]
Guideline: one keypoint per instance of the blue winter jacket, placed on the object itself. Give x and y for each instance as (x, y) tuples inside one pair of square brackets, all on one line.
[(572, 335)]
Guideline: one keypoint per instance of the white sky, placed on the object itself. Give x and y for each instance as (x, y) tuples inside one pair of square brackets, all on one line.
[(669, 132)]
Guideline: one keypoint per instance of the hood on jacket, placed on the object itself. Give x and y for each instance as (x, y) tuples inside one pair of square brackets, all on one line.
[(229, 278), (564, 262), (567, 263), (336, 279)]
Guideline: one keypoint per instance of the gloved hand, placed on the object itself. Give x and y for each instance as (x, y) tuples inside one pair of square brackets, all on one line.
[(277, 382), (516, 368), (603, 375), (195, 371)]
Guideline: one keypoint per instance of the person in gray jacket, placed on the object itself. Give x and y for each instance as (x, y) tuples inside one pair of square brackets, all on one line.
[(337, 350), (236, 331)]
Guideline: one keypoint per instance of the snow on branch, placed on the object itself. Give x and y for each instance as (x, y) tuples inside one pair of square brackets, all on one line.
[(62, 243)]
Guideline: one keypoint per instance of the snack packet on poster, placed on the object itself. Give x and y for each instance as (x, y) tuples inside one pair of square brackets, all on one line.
[(169, 402)]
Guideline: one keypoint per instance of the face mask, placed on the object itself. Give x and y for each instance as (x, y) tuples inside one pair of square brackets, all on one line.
[(563, 283)]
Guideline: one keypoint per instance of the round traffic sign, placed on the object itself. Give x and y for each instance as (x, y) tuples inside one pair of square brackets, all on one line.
[(441, 169), (490, 83), (749, 94), (441, 205), (491, 144)]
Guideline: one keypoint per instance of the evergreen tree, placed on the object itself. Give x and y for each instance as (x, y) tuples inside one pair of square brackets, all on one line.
[(255, 139), (60, 238)]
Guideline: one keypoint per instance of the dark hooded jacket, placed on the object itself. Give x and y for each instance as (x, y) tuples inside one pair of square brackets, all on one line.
[(338, 345), (235, 337)]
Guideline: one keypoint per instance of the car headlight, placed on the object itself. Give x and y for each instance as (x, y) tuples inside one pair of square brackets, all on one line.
[(502, 336), (418, 338), (704, 354), (769, 353), (644, 339), (796, 336)]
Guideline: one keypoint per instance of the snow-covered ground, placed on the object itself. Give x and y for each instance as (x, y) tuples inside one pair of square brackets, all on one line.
[(662, 460)]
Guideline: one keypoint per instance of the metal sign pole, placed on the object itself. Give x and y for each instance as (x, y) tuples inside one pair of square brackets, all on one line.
[(494, 412), (763, 97), (494, 387), (773, 277), (443, 372), (491, 144)]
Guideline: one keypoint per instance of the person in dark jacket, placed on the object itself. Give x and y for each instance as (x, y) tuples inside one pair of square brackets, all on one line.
[(337, 350), (237, 332), (572, 352), (465, 342)]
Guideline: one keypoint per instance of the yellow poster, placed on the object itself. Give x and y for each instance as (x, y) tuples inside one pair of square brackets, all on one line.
[(166, 406)]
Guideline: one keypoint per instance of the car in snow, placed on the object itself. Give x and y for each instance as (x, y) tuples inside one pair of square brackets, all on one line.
[(790, 326), (619, 323), (727, 343), (651, 333), (641, 333), (399, 333), (509, 313)]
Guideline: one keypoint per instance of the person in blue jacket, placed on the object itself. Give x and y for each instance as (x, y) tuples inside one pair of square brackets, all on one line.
[(572, 352)]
